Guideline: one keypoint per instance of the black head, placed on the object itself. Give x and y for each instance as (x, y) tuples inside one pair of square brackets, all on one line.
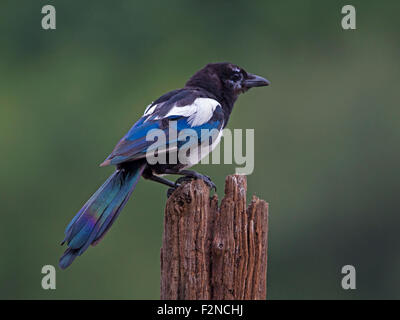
[(226, 80)]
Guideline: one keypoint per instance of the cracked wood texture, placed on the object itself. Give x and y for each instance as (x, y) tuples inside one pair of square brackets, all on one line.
[(213, 252)]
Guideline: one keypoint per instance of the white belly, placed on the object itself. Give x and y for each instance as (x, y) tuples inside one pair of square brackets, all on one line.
[(201, 152)]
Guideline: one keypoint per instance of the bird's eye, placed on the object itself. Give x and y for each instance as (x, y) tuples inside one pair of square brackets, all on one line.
[(235, 77)]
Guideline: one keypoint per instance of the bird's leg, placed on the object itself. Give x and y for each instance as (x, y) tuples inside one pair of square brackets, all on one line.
[(190, 175), (152, 177), (162, 181)]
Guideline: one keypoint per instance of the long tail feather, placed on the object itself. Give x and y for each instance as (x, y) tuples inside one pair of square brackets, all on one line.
[(95, 218)]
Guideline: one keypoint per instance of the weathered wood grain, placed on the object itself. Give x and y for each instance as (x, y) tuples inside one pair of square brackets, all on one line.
[(214, 252)]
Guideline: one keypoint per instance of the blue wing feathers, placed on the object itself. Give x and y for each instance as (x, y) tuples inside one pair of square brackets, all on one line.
[(134, 145)]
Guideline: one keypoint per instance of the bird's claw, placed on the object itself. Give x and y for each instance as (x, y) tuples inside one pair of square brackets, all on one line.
[(183, 179), (207, 180), (171, 190)]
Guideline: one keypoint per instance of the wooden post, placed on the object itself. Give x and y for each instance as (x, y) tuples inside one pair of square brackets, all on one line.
[(212, 252)]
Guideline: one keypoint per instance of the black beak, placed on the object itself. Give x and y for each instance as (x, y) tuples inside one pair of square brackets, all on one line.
[(255, 81)]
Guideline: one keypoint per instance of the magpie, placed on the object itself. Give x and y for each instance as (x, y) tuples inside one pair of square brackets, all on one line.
[(205, 102)]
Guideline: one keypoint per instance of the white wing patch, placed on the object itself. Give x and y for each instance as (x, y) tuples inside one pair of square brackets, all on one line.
[(199, 112), (185, 111), (149, 109), (204, 112)]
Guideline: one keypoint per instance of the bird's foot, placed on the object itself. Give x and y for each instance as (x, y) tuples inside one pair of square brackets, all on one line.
[(207, 180), (171, 190), (183, 179)]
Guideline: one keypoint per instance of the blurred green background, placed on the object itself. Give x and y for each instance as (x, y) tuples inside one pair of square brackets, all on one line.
[(327, 137)]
